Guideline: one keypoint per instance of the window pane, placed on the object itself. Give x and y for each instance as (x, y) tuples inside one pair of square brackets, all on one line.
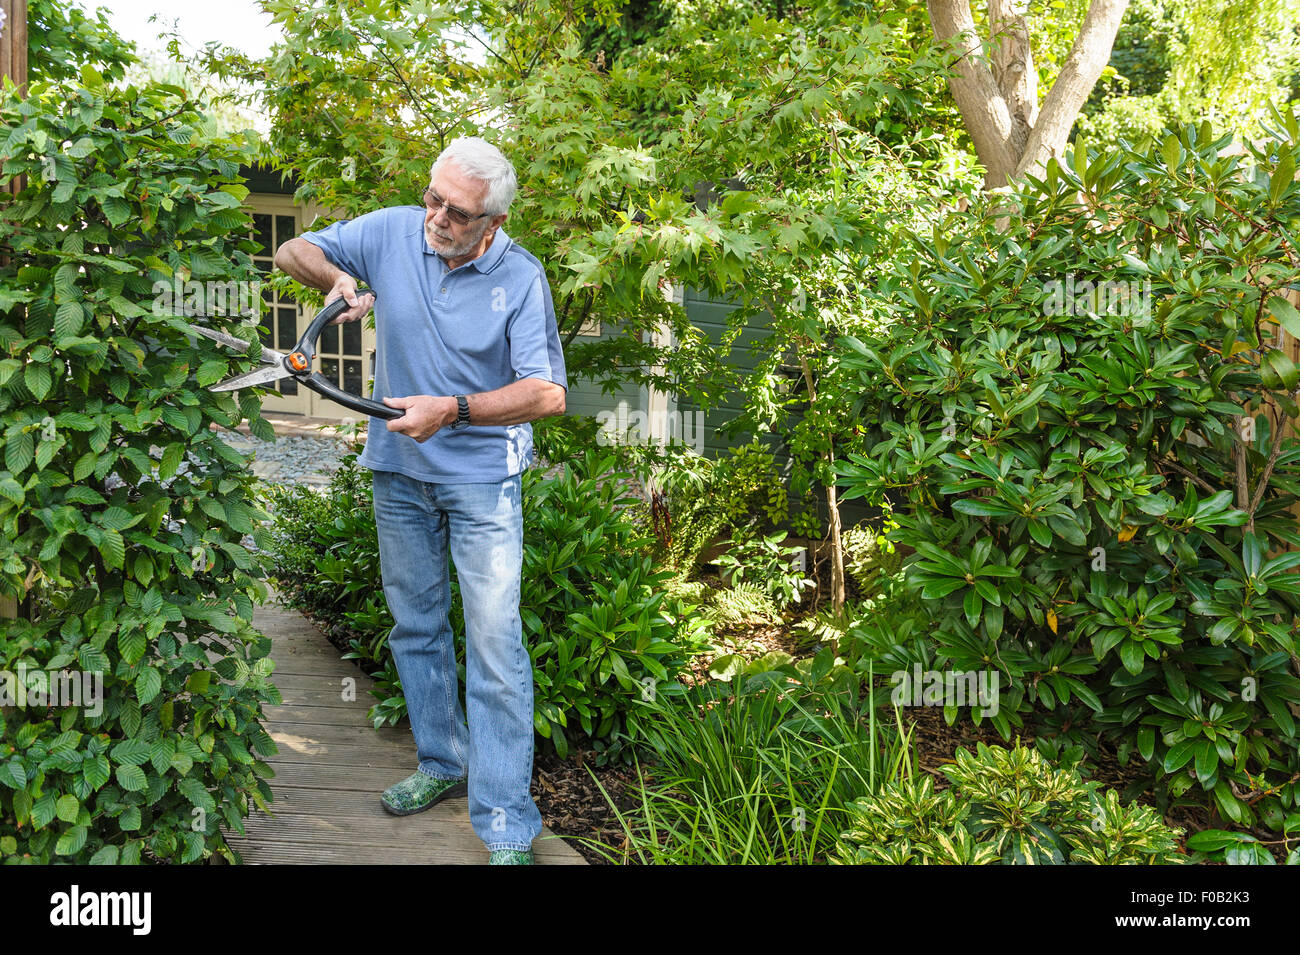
[(352, 376), (329, 339), (329, 367), (284, 230), (262, 232), (288, 330), (288, 386), (352, 338)]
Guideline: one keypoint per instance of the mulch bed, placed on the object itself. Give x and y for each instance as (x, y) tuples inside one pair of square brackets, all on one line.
[(573, 806)]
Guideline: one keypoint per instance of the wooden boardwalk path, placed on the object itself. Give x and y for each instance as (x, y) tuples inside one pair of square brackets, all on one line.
[(332, 765)]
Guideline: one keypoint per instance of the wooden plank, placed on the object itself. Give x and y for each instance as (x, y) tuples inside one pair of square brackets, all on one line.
[(390, 739), (337, 714), (445, 826), (328, 692), (305, 800), (297, 748), (303, 665), (271, 852), (440, 840), (310, 774), (332, 766), (264, 851)]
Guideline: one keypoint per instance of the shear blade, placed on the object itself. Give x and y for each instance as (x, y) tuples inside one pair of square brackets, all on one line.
[(260, 377), (230, 341)]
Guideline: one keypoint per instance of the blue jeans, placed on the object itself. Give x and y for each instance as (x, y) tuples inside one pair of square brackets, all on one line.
[(483, 524)]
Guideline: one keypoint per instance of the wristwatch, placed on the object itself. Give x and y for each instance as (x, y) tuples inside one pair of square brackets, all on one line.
[(462, 417)]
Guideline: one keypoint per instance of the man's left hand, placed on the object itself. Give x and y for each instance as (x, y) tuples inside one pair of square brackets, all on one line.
[(425, 416)]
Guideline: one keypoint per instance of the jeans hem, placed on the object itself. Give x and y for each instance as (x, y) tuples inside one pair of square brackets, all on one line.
[(454, 779), (516, 846)]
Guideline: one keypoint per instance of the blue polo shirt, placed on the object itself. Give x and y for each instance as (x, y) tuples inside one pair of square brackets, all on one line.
[(475, 328)]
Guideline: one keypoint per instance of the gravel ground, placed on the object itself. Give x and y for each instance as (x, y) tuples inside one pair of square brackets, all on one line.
[(291, 459)]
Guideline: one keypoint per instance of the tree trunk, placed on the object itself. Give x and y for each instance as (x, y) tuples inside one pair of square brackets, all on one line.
[(837, 547), (997, 95), (832, 505)]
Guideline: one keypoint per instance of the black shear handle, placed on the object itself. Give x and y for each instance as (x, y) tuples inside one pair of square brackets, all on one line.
[(322, 385)]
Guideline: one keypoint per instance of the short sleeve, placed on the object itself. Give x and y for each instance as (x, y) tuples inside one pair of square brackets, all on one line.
[(534, 337), (351, 244)]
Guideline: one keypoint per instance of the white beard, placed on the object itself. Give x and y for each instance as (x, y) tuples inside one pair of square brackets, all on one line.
[(446, 247)]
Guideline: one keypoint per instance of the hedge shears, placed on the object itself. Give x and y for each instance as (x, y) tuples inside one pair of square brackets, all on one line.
[(297, 364)]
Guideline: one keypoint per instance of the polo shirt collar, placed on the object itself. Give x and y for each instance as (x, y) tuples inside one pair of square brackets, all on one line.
[(486, 262)]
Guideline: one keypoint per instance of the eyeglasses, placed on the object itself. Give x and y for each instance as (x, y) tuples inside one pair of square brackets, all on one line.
[(433, 202)]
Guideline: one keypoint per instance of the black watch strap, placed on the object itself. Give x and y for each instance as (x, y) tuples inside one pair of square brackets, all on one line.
[(462, 417)]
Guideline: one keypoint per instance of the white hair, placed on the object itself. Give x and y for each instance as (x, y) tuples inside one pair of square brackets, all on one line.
[(479, 159)]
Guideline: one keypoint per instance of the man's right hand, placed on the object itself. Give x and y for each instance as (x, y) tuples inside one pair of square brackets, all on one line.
[(346, 287)]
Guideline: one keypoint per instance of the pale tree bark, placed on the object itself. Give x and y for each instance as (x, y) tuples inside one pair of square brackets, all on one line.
[(997, 93)]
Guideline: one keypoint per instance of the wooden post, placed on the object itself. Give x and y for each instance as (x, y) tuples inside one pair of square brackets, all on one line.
[(13, 64), (13, 42)]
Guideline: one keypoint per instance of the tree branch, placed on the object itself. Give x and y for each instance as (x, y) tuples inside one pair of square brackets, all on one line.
[(1279, 431), (983, 108), (1088, 57)]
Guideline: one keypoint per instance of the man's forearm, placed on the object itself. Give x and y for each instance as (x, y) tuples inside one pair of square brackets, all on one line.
[(524, 400)]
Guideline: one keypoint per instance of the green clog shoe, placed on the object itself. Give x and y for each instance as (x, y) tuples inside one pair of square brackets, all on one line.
[(420, 791)]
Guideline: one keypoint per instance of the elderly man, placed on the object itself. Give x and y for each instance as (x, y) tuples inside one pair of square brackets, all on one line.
[(468, 348)]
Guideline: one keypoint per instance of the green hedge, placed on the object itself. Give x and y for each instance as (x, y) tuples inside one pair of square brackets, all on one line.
[(142, 581)]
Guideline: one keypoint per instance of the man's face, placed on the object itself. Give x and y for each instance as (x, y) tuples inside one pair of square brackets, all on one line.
[(447, 237)]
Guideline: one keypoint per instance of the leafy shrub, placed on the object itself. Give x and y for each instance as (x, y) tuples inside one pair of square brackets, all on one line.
[(827, 627), (603, 635), (561, 438), (1007, 806), (1241, 848), (754, 488), (683, 515), (1095, 494), (601, 630), (766, 562), (695, 498), (145, 583)]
